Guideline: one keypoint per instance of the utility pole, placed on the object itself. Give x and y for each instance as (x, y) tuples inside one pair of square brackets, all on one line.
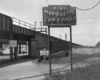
[(50, 71), (41, 25), (71, 48), (65, 37), (35, 25), (60, 36)]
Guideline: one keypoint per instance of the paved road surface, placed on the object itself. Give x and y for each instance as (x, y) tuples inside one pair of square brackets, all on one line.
[(21, 70)]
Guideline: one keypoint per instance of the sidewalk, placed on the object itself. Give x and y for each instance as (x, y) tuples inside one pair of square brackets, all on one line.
[(20, 71), (26, 70)]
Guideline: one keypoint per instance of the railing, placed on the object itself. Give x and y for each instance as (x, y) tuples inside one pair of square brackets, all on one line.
[(28, 25), (23, 23)]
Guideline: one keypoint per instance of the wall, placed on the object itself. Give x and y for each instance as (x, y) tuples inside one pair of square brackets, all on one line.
[(34, 53), (86, 50)]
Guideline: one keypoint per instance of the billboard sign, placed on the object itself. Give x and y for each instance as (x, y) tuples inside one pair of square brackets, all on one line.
[(59, 16)]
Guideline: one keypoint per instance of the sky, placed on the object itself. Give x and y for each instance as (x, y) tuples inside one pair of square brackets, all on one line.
[(85, 32)]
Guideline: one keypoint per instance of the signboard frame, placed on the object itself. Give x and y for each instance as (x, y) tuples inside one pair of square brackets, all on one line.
[(59, 16)]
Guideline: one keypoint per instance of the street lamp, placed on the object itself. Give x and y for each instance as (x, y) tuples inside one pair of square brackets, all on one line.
[(60, 36), (41, 25), (35, 25)]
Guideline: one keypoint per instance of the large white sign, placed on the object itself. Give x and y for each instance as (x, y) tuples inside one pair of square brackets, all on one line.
[(44, 52)]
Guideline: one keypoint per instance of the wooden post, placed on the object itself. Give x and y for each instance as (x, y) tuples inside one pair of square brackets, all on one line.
[(11, 53), (15, 52), (71, 48), (11, 38), (50, 72), (29, 48)]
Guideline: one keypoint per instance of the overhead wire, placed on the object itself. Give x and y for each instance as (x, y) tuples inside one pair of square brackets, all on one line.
[(94, 35), (83, 9), (62, 30), (77, 18), (89, 8), (47, 2)]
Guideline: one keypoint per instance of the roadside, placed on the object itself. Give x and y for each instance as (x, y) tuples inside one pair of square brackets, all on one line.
[(22, 71), (26, 69), (7, 62), (64, 63), (86, 67), (91, 72)]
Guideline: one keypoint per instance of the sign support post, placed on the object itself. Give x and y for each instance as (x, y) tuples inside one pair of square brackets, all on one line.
[(57, 16), (71, 48), (49, 51), (12, 44), (11, 54)]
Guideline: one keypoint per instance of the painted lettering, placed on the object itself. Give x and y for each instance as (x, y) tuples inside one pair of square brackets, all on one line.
[(45, 11)]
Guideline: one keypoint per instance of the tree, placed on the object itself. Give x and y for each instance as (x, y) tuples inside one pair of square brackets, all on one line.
[(98, 44)]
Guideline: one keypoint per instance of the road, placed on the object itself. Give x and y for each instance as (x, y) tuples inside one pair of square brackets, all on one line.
[(21, 70)]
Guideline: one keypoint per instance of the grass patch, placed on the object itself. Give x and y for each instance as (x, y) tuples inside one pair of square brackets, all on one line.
[(76, 57), (87, 73)]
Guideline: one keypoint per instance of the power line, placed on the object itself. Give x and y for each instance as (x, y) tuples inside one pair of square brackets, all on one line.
[(77, 18), (47, 2), (82, 9), (62, 30), (79, 34), (88, 8)]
